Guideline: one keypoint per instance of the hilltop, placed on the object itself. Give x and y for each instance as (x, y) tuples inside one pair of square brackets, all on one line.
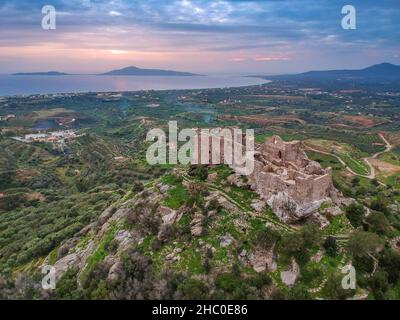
[(378, 72)]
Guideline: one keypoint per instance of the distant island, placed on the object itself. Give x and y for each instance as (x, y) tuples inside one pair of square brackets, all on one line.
[(382, 72), (134, 71), (128, 71), (49, 73)]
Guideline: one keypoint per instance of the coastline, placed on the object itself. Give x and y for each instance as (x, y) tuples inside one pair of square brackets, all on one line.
[(53, 85)]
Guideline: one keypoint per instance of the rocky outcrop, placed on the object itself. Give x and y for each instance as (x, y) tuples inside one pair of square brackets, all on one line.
[(169, 216), (262, 260), (196, 225), (72, 254), (290, 276), (226, 240), (107, 214)]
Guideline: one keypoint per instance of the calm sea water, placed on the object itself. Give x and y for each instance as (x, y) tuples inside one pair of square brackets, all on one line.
[(17, 85)]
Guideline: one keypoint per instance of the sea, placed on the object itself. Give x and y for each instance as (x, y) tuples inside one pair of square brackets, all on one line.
[(32, 84)]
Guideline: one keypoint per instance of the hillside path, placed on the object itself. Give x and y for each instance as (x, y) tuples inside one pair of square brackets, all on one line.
[(372, 174)]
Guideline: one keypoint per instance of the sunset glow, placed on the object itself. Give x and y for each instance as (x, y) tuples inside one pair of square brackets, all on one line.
[(230, 36)]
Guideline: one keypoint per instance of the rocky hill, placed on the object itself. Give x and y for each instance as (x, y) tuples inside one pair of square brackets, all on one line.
[(206, 233), (200, 233)]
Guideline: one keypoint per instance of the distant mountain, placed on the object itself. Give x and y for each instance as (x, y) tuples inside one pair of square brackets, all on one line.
[(379, 72), (134, 71), (49, 73)]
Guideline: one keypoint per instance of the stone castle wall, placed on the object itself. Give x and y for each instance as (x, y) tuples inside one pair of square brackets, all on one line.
[(286, 178)]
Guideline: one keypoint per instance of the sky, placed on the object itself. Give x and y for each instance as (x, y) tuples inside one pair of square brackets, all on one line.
[(202, 36)]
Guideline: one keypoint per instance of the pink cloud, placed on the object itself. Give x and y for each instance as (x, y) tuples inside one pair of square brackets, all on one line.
[(272, 58)]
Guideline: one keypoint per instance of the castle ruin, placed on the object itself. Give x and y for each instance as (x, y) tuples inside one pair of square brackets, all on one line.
[(293, 185)]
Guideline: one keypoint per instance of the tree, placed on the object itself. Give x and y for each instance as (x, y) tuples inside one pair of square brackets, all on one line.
[(355, 181), (299, 292), (192, 289), (330, 246), (380, 204), (266, 237), (291, 243), (137, 187), (312, 235), (228, 282), (379, 284), (67, 286), (390, 262), (333, 288), (363, 243), (355, 213), (378, 223), (375, 182), (199, 171)]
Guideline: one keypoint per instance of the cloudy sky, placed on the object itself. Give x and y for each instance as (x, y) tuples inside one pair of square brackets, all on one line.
[(206, 36)]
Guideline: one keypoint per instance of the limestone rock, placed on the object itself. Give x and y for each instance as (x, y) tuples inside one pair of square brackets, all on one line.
[(226, 240), (62, 265), (289, 277), (124, 239), (395, 243), (164, 188), (212, 177), (236, 180), (332, 211), (86, 229), (115, 272), (67, 246), (169, 216), (317, 257), (319, 220), (197, 225), (107, 214), (258, 205), (263, 260)]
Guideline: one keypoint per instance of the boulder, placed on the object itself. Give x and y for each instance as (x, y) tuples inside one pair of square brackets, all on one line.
[(115, 272), (164, 188), (258, 205), (107, 214), (263, 260), (319, 220), (62, 265), (168, 215), (290, 276), (124, 239), (236, 180), (86, 229), (212, 177), (226, 240), (332, 211), (197, 225)]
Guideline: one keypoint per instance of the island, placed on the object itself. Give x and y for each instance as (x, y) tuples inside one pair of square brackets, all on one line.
[(48, 73), (134, 71)]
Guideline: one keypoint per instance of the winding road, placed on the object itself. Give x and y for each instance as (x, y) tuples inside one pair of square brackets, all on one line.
[(389, 147), (372, 170)]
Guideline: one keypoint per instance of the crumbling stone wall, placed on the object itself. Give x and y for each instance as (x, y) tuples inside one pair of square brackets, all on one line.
[(293, 185)]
